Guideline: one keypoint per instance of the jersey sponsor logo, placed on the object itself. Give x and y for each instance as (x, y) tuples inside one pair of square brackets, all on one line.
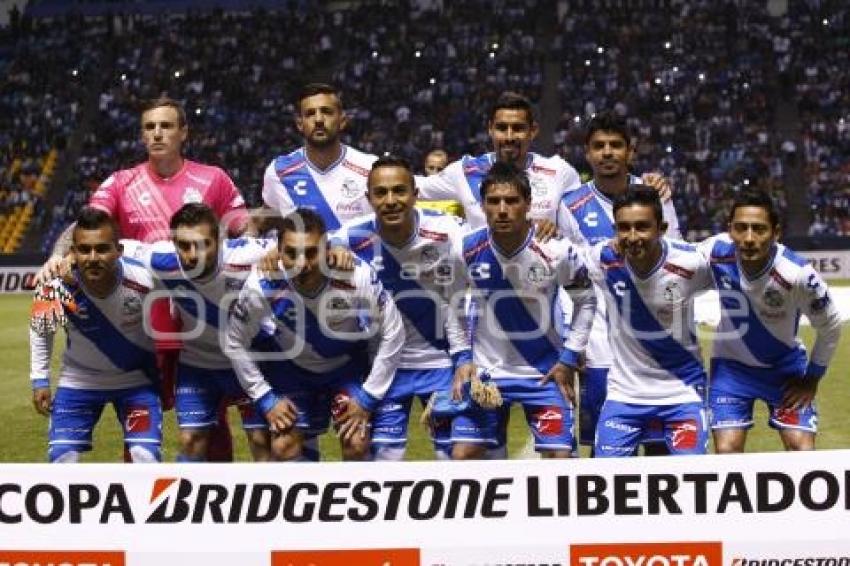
[(479, 271), (684, 435), (621, 426), (591, 219), (60, 558), (647, 554), (548, 421), (353, 208), (356, 168), (300, 188), (192, 196), (138, 419)]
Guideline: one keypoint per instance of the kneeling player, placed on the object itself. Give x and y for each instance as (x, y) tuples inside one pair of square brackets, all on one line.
[(648, 282), (109, 357), (757, 354), (320, 323)]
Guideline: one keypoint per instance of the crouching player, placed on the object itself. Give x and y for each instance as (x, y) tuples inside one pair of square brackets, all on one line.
[(109, 357), (515, 280), (757, 354), (203, 276), (320, 321), (414, 253), (648, 282)]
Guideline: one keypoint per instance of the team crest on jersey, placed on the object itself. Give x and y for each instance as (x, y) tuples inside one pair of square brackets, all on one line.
[(145, 199), (233, 283), (672, 292), (349, 189), (538, 273), (538, 188), (192, 196), (773, 298), (430, 254), (132, 309)]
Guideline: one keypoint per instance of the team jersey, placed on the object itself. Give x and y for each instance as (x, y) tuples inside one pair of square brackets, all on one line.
[(651, 325), (107, 347), (760, 314), (319, 333), (337, 194), (420, 275), (586, 217), (143, 203), (550, 178), (513, 298), (202, 304)]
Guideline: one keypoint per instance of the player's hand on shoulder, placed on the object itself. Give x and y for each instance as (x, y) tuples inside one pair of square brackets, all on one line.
[(546, 230), (42, 401), (341, 259), (660, 183), (270, 263)]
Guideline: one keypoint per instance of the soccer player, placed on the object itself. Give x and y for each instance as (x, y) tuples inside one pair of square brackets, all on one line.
[(585, 217), (109, 357), (436, 161), (515, 279), (320, 324), (648, 282), (415, 253), (764, 287), (512, 127), (143, 198), (325, 175), (203, 275)]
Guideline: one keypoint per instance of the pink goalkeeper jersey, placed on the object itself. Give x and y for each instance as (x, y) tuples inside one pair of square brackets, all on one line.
[(143, 203)]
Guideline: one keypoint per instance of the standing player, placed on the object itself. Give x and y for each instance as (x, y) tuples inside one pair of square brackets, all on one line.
[(764, 287), (143, 198), (204, 274), (325, 175), (109, 357), (320, 325), (415, 254), (586, 217), (515, 279), (648, 282)]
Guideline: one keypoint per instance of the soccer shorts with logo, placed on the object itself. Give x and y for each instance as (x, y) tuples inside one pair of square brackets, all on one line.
[(76, 412), (550, 417), (735, 388), (318, 398), (622, 427), (201, 392)]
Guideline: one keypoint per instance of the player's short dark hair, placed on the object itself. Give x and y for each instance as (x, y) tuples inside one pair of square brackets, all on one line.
[(641, 195), (193, 214), (509, 100), (608, 121), (164, 101), (312, 89), (91, 218), (759, 198), (502, 173), (302, 220), (391, 161)]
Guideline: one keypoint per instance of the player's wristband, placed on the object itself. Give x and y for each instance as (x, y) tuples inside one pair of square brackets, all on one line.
[(569, 358), (461, 358), (815, 371), (365, 400), (267, 402), (40, 384)]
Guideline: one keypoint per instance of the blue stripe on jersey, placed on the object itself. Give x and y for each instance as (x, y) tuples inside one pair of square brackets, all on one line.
[(165, 261), (761, 343), (361, 240), (794, 258), (590, 215), (302, 188), (540, 353), (418, 308), (475, 169), (667, 352), (110, 341), (212, 314)]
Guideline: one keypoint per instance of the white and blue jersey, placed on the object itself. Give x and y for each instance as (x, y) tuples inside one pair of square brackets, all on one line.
[(321, 334), (421, 277), (760, 314), (550, 178), (107, 347), (337, 194), (513, 332), (656, 356), (586, 218), (202, 304)]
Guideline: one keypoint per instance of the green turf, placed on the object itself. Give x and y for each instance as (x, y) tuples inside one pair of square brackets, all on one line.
[(25, 441)]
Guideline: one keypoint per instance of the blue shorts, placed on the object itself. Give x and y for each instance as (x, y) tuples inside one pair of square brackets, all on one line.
[(735, 388), (549, 416), (200, 392), (390, 419), (622, 427), (593, 386), (317, 397), (76, 412)]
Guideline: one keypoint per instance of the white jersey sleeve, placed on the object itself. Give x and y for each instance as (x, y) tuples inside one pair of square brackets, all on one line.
[(815, 301), (274, 193), (573, 275), (390, 338), (443, 186)]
